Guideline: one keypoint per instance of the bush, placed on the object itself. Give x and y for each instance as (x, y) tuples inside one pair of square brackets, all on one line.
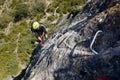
[(8, 65), (50, 9), (2, 2), (14, 2), (40, 16), (66, 6), (4, 20), (47, 24), (59, 10), (52, 18), (75, 11), (39, 7), (21, 12), (52, 30)]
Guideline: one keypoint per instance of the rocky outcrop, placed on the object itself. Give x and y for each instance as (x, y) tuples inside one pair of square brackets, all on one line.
[(67, 54)]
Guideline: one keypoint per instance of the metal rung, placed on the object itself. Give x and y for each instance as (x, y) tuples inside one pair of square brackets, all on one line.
[(99, 31)]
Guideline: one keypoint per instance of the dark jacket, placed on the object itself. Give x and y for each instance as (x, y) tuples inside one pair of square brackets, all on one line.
[(39, 31)]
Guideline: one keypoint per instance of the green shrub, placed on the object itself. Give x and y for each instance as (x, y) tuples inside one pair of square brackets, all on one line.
[(59, 10), (40, 16), (2, 2), (25, 47), (47, 24), (4, 20), (14, 3), (38, 8), (66, 6), (50, 9), (52, 30), (8, 65), (2, 35), (21, 12), (51, 18)]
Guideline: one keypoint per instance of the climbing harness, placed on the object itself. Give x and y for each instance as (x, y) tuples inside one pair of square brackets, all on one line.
[(91, 45)]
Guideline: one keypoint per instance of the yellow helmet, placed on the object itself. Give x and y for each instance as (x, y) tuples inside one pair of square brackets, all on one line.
[(35, 25)]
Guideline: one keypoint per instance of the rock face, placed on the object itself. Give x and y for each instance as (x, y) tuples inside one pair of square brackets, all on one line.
[(67, 54)]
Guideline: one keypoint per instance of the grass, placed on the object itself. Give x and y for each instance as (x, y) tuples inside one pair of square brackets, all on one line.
[(8, 58), (10, 63)]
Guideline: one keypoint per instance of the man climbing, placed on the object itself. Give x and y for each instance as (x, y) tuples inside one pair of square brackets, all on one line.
[(39, 31)]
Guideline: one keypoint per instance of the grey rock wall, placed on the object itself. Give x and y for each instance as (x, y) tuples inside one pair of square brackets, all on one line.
[(67, 54)]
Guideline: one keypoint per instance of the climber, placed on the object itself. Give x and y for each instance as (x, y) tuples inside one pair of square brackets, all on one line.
[(39, 30)]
